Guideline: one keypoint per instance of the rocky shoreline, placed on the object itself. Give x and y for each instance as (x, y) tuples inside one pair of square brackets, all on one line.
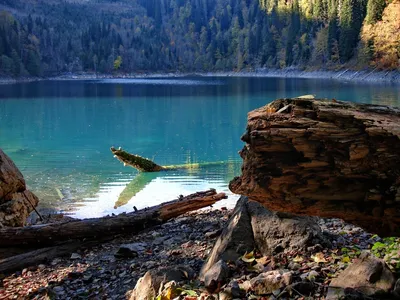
[(177, 251), (345, 75)]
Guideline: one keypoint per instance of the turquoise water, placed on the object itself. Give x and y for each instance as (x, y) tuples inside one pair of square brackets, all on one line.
[(59, 134)]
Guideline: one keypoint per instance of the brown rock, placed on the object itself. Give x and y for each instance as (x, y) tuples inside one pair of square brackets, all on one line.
[(369, 276), (216, 276), (148, 286), (267, 282), (16, 202), (235, 240), (323, 158), (281, 232)]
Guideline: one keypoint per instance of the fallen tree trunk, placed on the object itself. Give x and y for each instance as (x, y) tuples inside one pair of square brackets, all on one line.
[(325, 158), (146, 165), (135, 161), (134, 222), (42, 255)]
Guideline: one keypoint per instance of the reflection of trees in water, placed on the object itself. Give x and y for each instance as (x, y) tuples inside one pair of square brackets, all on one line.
[(213, 171)]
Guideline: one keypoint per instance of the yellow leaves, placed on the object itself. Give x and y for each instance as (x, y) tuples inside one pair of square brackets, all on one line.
[(383, 38), (298, 259), (263, 260), (248, 257), (346, 259), (319, 258)]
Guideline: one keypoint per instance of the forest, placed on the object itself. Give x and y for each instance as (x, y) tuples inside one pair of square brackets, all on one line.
[(48, 38)]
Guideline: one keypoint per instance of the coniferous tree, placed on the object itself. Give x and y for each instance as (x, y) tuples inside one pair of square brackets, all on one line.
[(375, 9)]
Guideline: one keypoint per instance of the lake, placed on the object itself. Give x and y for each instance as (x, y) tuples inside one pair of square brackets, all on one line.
[(59, 134)]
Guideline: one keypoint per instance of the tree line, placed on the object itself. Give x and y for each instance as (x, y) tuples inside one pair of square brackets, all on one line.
[(191, 35)]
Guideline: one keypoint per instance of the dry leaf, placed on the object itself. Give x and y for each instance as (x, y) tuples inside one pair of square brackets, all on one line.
[(319, 258)]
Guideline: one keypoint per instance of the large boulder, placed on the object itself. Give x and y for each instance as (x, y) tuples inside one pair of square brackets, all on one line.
[(16, 202), (324, 158), (252, 226), (276, 232), (235, 240)]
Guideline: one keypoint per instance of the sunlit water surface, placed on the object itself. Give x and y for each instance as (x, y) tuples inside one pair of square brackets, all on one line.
[(59, 134)]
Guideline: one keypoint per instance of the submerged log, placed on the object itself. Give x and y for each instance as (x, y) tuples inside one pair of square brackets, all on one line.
[(325, 158), (136, 161), (146, 165), (96, 228)]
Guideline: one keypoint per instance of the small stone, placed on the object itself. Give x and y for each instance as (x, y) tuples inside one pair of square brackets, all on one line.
[(276, 292), (304, 288), (294, 266), (149, 264), (41, 267), (56, 261), (187, 245), (58, 290), (216, 275), (312, 275), (245, 285), (267, 282), (225, 294), (130, 250), (76, 256), (159, 240), (87, 278), (368, 275)]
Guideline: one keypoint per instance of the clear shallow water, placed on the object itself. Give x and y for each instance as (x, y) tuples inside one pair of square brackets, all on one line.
[(59, 134)]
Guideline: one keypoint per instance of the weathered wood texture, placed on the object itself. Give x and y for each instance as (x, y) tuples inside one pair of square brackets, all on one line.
[(325, 158), (107, 226)]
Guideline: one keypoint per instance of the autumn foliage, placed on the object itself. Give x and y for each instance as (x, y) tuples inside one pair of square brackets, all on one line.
[(382, 40)]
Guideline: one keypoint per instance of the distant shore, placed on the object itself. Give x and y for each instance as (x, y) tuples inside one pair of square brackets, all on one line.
[(368, 76)]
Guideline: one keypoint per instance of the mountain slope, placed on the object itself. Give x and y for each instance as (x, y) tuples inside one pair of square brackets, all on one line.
[(46, 37)]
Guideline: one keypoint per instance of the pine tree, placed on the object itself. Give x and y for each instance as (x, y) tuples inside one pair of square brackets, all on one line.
[(375, 10)]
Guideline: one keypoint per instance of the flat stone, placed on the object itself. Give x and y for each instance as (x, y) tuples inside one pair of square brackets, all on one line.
[(130, 250), (76, 256), (267, 282), (369, 276)]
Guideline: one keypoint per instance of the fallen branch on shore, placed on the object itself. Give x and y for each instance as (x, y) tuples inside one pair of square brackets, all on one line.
[(54, 240), (51, 234)]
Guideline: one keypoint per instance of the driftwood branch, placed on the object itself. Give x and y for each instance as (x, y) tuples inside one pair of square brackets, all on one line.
[(135, 161), (34, 257), (96, 228)]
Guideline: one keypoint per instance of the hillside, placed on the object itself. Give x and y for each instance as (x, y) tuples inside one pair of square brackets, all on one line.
[(46, 37)]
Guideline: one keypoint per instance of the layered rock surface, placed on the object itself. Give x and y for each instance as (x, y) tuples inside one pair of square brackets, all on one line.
[(16, 202), (325, 158)]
